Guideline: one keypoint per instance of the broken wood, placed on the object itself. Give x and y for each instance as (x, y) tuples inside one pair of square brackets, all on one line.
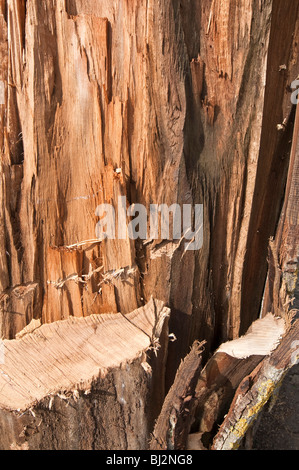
[(282, 282), (281, 297), (166, 102), (225, 371), (200, 399), (175, 420), (178, 122), (74, 371), (256, 390)]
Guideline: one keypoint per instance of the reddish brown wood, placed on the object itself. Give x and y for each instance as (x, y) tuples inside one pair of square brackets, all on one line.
[(169, 102)]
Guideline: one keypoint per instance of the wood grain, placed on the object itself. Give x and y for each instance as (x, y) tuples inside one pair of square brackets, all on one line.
[(73, 363)]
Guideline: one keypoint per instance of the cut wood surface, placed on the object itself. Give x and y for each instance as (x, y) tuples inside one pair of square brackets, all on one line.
[(78, 360), (71, 354), (261, 339)]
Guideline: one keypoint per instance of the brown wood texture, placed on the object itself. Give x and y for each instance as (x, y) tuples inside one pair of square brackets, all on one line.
[(255, 391), (274, 151), (174, 96), (85, 383), (222, 375), (281, 291), (282, 282), (174, 422), (170, 102)]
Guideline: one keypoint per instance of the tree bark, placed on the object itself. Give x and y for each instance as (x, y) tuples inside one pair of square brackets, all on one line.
[(255, 391), (171, 102), (174, 423)]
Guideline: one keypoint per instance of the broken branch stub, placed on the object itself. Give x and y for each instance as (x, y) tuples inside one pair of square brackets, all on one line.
[(225, 371), (92, 375), (175, 420), (256, 390)]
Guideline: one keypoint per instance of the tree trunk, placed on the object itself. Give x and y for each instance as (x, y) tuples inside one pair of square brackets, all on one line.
[(85, 383), (171, 102)]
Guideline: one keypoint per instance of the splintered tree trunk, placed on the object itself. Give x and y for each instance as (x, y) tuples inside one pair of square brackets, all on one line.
[(84, 383), (171, 102)]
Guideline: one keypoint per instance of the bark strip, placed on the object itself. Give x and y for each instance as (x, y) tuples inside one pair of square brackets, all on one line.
[(173, 425), (256, 390)]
